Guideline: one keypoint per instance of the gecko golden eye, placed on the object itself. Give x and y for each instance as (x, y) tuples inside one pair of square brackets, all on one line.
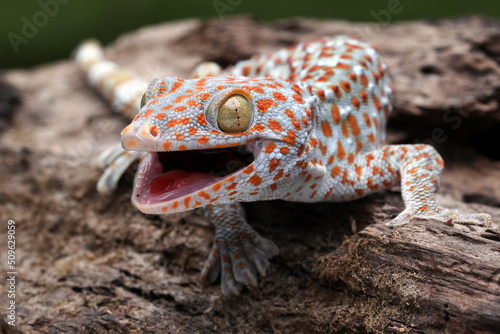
[(234, 114), (143, 100)]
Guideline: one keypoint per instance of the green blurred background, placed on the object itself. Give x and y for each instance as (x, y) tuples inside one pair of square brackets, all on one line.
[(60, 24)]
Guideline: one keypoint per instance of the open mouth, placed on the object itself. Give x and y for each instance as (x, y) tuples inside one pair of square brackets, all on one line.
[(165, 176)]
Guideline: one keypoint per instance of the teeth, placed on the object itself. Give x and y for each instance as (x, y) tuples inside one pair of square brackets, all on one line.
[(149, 168)]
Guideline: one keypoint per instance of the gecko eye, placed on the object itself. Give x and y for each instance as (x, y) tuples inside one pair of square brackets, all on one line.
[(143, 100), (234, 114)]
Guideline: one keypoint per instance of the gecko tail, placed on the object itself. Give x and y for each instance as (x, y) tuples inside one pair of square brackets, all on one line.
[(120, 88)]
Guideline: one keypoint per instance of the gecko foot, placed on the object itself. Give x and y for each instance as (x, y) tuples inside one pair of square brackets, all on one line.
[(116, 161), (239, 254), (447, 216)]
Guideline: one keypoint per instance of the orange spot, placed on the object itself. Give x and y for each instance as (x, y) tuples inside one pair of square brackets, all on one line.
[(203, 140), (202, 120), (275, 125), (364, 96), (313, 142), (345, 85), (376, 101), (279, 175), (344, 177), (182, 148), (342, 66), (273, 186), (186, 201), (160, 116), (279, 96), (248, 170), (331, 160), (164, 209), (265, 104), (179, 99), (175, 205), (359, 146), (181, 108), (166, 145), (350, 158), (327, 130), (335, 171), (359, 170), (336, 90), (192, 103), (321, 94), (352, 76), (192, 131), (216, 186), (335, 114), (245, 71), (273, 164), (359, 192), (179, 136), (298, 98), (353, 123), (270, 147), (367, 120), (258, 127), (340, 150), (166, 107), (232, 186), (255, 180), (147, 113), (345, 130), (127, 129), (364, 80), (290, 139), (371, 138), (131, 143), (205, 96), (284, 150), (355, 102)]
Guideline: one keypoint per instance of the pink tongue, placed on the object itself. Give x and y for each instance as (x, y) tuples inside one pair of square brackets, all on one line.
[(173, 180)]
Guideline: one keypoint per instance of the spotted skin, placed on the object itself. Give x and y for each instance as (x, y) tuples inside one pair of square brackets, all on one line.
[(318, 113)]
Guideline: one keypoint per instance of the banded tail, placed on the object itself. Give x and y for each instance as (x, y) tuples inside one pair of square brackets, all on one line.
[(120, 88)]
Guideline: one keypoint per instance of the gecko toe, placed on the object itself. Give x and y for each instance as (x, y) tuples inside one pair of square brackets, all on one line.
[(446, 216)]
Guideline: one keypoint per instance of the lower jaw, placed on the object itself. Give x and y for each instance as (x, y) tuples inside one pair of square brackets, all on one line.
[(157, 191)]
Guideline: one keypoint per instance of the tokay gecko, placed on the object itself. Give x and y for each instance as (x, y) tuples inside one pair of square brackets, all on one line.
[(303, 124)]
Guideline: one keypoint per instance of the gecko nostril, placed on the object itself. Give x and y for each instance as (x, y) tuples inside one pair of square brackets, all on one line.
[(154, 131)]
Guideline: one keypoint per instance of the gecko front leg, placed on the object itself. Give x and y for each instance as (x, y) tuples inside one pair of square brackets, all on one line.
[(238, 253)]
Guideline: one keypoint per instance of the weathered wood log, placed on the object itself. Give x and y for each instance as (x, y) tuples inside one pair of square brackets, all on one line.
[(93, 263), (427, 277)]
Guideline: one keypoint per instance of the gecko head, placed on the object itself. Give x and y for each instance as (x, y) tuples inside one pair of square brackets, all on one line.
[(218, 140)]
